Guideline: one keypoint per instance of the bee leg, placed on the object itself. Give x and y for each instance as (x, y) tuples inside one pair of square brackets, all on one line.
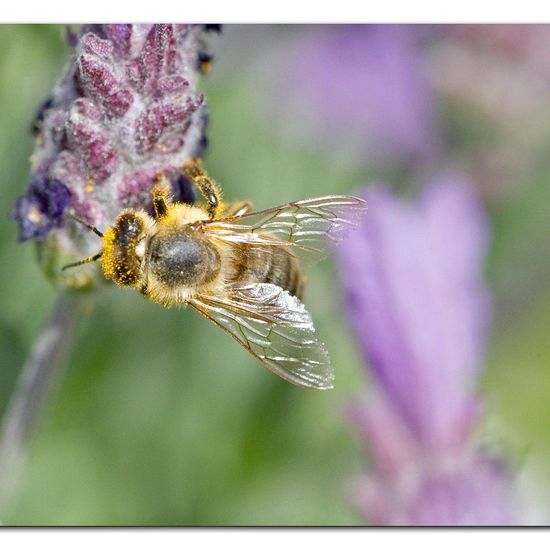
[(161, 196), (236, 208), (193, 170)]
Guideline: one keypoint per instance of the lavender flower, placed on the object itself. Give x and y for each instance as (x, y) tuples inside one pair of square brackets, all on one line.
[(41, 209), (125, 109), (367, 85), (416, 300)]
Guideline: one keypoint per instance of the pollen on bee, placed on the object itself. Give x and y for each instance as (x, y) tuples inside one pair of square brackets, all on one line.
[(90, 182), (140, 249)]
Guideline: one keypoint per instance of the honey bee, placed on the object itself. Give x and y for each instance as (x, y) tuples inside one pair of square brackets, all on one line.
[(240, 269)]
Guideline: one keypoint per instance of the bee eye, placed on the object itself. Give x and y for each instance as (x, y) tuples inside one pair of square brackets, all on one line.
[(128, 228)]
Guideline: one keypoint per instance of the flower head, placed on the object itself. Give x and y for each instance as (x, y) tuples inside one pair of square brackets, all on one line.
[(421, 309), (367, 85), (125, 109), (414, 287), (409, 484)]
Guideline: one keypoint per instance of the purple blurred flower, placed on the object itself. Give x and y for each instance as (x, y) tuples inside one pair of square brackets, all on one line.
[(41, 209), (125, 109), (421, 308), (416, 299), (367, 85)]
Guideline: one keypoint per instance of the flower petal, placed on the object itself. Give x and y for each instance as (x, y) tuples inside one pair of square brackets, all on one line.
[(417, 302)]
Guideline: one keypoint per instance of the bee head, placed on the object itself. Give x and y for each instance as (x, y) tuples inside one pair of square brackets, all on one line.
[(124, 248)]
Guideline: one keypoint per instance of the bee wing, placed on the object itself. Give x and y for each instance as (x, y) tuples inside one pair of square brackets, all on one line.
[(310, 226), (274, 327)]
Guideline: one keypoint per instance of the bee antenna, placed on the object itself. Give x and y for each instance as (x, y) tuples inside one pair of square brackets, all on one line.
[(87, 225), (84, 261)]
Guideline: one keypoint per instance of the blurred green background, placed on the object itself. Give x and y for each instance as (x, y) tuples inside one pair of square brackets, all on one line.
[(160, 418)]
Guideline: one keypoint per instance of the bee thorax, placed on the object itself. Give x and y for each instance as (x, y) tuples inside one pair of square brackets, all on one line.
[(182, 259)]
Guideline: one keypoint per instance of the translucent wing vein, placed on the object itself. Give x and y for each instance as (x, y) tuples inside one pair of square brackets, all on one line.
[(275, 328), (311, 226)]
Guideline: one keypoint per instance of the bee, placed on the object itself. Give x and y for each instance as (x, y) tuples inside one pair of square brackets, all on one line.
[(240, 269)]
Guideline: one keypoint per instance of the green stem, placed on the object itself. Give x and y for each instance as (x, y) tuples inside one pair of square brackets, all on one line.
[(34, 385)]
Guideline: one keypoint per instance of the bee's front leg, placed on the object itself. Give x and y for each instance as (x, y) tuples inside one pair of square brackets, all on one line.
[(161, 195), (193, 170)]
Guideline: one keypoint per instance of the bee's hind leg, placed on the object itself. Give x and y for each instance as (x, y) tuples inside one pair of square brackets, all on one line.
[(193, 170)]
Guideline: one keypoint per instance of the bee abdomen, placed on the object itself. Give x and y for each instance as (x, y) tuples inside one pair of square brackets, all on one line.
[(284, 271), (273, 265)]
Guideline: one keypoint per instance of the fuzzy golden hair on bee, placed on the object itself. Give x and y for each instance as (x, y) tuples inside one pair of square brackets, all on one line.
[(243, 270), (124, 247)]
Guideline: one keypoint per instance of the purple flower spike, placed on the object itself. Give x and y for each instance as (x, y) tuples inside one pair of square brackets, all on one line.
[(475, 492), (368, 83), (412, 275), (421, 309), (467, 490), (125, 109)]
